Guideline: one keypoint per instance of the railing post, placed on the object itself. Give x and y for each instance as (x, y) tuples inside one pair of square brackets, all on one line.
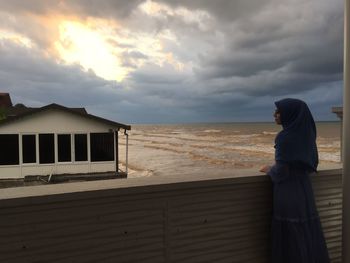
[(346, 136), (116, 152)]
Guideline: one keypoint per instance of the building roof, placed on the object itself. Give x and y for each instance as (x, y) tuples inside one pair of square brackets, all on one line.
[(77, 111), (338, 111), (20, 109), (5, 100)]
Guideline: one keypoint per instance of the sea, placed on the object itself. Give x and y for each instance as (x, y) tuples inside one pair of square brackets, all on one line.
[(213, 148)]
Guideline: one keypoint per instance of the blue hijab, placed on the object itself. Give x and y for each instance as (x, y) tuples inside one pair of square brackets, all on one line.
[(296, 143)]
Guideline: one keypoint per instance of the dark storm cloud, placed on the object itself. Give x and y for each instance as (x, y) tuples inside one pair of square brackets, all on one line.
[(155, 74), (221, 9), (290, 52), (106, 8), (36, 81), (32, 6), (239, 58), (97, 8), (131, 59), (18, 15)]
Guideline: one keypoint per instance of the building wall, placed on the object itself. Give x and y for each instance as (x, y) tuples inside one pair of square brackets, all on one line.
[(57, 122), (148, 220)]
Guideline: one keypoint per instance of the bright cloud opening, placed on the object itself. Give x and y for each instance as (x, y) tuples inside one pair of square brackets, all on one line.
[(80, 44), (16, 38)]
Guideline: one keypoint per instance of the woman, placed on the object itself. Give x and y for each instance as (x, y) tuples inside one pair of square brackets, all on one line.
[(296, 229)]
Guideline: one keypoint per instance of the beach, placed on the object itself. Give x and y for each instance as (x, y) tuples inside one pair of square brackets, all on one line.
[(207, 148)]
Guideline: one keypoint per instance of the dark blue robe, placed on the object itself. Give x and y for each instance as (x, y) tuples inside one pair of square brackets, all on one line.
[(297, 235)]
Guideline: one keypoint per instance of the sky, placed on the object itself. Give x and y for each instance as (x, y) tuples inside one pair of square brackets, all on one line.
[(173, 61)]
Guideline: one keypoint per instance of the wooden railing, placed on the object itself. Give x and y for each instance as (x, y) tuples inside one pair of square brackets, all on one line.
[(153, 220)]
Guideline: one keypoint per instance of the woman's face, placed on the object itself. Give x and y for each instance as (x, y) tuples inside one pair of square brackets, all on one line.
[(277, 116)]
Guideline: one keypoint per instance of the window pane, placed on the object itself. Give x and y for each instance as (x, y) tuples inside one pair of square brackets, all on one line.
[(80, 147), (102, 147), (64, 148), (9, 152), (46, 148), (29, 148)]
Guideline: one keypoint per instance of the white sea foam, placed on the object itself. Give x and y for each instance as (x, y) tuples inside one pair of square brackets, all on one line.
[(335, 144), (247, 135), (330, 157), (212, 131), (255, 148), (269, 133)]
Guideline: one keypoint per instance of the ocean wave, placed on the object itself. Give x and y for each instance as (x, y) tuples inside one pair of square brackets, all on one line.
[(254, 149), (135, 170), (212, 131), (330, 157), (269, 133), (335, 145), (234, 163), (247, 135), (162, 150)]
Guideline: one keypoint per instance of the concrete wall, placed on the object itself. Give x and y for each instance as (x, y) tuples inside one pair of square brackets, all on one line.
[(153, 220)]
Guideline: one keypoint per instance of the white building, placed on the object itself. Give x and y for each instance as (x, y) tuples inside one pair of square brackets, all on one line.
[(57, 140)]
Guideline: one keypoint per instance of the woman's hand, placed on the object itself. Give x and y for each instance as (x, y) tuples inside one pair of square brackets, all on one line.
[(265, 169)]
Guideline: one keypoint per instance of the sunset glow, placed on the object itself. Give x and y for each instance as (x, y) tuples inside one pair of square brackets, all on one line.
[(79, 44), (100, 49)]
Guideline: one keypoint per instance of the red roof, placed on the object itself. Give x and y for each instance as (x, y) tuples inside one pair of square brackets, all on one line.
[(5, 100)]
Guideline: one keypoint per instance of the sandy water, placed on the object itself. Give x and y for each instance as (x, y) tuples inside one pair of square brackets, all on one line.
[(190, 149)]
